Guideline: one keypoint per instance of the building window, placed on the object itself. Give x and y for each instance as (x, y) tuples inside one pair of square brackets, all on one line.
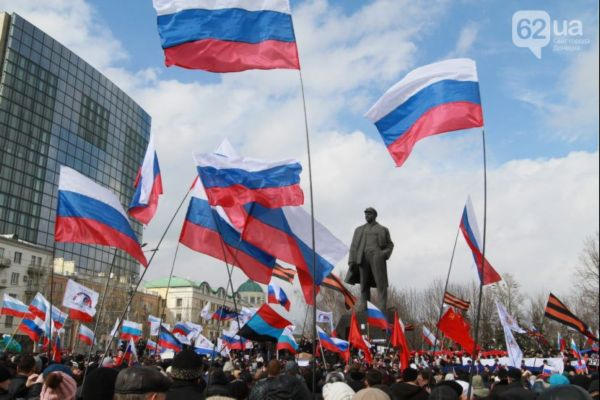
[(17, 257), (8, 321), (179, 303), (252, 300), (178, 317), (14, 278), (1, 252)]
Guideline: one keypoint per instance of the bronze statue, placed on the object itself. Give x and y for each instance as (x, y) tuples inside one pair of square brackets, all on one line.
[(370, 249)]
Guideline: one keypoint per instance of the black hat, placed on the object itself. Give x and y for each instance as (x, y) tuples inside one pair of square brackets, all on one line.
[(371, 209), (410, 374), (452, 385), (514, 373), (186, 366), (140, 380), (4, 374), (100, 384)]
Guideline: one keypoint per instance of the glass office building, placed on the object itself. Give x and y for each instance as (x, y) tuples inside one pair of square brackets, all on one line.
[(56, 109)]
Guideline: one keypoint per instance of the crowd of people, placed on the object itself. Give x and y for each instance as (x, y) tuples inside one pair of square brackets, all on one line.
[(256, 376)]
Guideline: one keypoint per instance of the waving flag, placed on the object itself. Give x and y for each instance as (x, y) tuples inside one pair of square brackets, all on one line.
[(515, 355), (398, 340), (154, 323), (34, 328), (265, 325), (237, 181), (287, 342), (207, 230), (333, 344), (456, 328), (39, 306), (223, 313), (131, 330), (470, 230), (80, 300), (557, 311), (276, 295), (356, 339), (508, 320), (332, 281), (186, 332), (148, 186), (130, 355), (233, 341), (203, 346), (86, 335), (57, 350), (152, 346), (375, 317), (286, 274), (14, 307), (90, 214), (457, 302), (560, 342), (166, 340), (205, 313), (58, 318), (286, 234), (575, 350), (227, 35), (433, 99), (428, 336)]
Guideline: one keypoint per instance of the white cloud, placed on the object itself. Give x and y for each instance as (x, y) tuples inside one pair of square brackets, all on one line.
[(466, 39)]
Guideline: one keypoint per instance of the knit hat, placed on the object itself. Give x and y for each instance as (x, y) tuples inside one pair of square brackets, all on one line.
[(57, 368), (410, 374), (443, 392), (558, 379), (100, 384), (337, 391), (187, 365), (370, 394), (4, 374), (58, 386)]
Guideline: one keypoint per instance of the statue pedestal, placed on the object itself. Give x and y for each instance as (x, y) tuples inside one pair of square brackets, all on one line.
[(343, 326)]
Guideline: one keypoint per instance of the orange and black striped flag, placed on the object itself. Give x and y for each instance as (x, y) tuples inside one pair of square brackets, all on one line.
[(332, 281), (557, 311), (457, 302), (287, 274)]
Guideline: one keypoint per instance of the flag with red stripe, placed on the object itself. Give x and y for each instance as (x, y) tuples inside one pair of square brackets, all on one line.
[(557, 311), (455, 301), (332, 281)]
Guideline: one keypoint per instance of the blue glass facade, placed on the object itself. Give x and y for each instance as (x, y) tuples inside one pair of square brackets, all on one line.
[(55, 109)]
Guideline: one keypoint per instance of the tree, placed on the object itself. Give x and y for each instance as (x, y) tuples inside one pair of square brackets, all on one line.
[(587, 279)]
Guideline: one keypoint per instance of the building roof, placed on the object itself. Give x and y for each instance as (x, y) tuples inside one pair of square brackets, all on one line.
[(183, 282), (250, 286)]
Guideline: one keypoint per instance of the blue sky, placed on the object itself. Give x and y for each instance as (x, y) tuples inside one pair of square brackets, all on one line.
[(541, 127)]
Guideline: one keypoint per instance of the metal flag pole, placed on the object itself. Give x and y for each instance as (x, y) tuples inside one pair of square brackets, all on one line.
[(473, 355), (50, 344), (437, 332), (120, 320), (167, 293), (99, 315)]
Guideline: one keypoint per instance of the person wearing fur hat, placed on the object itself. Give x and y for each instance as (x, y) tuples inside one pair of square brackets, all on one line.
[(186, 373)]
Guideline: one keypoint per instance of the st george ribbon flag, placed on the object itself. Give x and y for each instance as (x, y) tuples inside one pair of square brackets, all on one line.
[(227, 35), (556, 310), (470, 230), (286, 234), (436, 98), (148, 186), (91, 214), (233, 182), (80, 300), (515, 355), (208, 230)]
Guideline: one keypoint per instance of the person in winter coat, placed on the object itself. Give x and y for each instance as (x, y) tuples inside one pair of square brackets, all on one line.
[(409, 388), (186, 372)]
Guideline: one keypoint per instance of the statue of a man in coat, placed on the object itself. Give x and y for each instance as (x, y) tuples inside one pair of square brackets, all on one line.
[(370, 249)]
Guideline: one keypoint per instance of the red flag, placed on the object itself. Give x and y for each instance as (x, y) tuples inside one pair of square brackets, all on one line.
[(355, 339), (399, 340), (456, 328)]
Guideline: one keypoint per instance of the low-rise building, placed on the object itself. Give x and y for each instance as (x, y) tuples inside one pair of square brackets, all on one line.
[(186, 299), (24, 270)]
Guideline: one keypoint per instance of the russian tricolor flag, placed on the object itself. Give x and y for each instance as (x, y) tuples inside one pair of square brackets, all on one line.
[(39, 306), (14, 307), (86, 335), (227, 35), (207, 230), (428, 336), (433, 99), (287, 342), (58, 317), (231, 181), (148, 186), (233, 342), (375, 317), (89, 213), (470, 230), (131, 330), (286, 234), (276, 295), (224, 314), (33, 328), (151, 346), (332, 343)]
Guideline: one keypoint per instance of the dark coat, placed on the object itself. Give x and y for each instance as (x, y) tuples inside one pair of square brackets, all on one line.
[(405, 391), (355, 257), (185, 390), (282, 387)]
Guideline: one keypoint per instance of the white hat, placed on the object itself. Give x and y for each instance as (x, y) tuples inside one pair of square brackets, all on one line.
[(337, 391)]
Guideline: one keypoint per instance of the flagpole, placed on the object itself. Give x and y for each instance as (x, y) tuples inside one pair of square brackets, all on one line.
[(13, 335), (437, 332), (482, 261), (120, 320), (51, 298), (99, 315), (167, 293)]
